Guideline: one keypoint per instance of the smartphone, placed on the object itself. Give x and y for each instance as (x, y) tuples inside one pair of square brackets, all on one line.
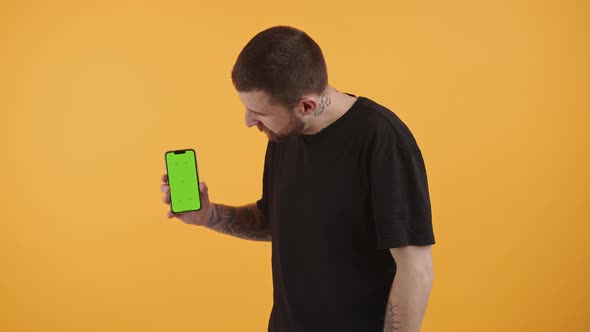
[(183, 179)]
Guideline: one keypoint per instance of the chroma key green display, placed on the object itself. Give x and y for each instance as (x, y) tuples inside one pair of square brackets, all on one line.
[(183, 179)]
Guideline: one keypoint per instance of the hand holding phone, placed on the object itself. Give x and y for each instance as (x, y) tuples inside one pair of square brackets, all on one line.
[(188, 199)]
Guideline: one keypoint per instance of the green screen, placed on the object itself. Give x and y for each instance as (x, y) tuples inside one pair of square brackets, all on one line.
[(181, 166)]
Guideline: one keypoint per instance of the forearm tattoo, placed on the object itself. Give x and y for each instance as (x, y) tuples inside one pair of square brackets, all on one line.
[(390, 323), (246, 222)]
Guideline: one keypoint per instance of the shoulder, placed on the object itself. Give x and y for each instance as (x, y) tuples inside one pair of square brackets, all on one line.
[(384, 126)]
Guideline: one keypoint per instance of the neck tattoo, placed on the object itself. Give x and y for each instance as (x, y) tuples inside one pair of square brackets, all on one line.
[(324, 102)]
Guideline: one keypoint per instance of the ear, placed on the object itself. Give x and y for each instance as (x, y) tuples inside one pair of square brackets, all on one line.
[(309, 105)]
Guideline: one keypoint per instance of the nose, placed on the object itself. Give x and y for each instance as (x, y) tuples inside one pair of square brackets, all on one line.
[(250, 119)]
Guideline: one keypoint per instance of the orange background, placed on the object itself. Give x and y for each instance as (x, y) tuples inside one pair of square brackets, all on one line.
[(93, 93)]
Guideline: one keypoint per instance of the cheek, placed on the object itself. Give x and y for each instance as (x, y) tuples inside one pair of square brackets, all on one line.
[(270, 124), (275, 124)]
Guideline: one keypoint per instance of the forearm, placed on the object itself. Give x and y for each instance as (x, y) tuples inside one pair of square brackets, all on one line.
[(407, 301), (246, 222)]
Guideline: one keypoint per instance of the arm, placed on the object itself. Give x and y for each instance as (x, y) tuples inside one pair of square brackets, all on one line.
[(246, 222), (410, 290)]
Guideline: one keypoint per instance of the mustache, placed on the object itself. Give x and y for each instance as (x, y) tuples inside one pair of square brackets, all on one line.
[(272, 136), (263, 128)]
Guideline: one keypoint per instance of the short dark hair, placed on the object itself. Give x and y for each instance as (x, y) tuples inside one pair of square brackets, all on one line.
[(283, 62)]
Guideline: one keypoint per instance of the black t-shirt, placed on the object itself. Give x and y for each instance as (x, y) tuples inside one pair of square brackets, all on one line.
[(336, 202)]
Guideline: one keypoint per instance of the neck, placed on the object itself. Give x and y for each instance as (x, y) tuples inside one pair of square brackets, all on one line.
[(339, 104)]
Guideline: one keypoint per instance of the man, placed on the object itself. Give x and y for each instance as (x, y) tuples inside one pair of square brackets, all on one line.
[(345, 198)]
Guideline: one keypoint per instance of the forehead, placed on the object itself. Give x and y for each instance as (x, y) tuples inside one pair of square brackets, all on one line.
[(257, 100)]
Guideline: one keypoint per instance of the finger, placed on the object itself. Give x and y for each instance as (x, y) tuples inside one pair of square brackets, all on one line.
[(165, 178), (166, 198), (203, 187), (204, 192), (170, 214), (164, 188)]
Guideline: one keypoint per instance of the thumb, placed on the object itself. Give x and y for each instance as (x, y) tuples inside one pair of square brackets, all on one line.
[(204, 191)]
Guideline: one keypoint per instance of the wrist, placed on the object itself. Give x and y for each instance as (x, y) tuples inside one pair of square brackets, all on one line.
[(212, 215)]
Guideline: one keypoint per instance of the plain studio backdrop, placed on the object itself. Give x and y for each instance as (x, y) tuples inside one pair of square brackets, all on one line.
[(92, 93)]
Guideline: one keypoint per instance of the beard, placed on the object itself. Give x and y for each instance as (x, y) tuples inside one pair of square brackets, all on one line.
[(294, 128)]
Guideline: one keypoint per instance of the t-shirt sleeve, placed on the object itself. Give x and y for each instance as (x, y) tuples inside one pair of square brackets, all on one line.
[(399, 192)]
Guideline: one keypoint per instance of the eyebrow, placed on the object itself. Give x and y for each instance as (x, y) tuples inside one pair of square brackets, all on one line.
[(255, 111)]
